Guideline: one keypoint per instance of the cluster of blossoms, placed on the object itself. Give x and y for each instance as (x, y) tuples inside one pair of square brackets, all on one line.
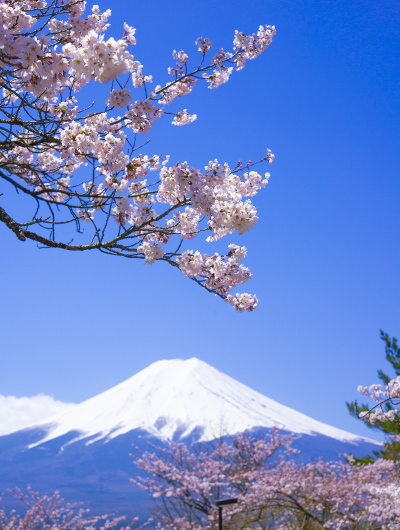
[(181, 57), (174, 90), (99, 136), (138, 79), (42, 72), (273, 490), (183, 118), (242, 301), (389, 394), (220, 273), (251, 46), (204, 45), (245, 46), (97, 59), (185, 223), (119, 98), (217, 194), (141, 116)]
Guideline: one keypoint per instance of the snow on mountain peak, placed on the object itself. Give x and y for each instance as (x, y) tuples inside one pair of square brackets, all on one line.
[(177, 397)]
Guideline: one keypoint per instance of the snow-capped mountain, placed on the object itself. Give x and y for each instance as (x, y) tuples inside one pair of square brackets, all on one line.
[(177, 398), (84, 451)]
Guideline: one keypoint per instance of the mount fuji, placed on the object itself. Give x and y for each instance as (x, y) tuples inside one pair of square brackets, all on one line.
[(84, 451)]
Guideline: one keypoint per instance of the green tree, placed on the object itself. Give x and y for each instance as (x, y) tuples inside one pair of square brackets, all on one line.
[(391, 448)]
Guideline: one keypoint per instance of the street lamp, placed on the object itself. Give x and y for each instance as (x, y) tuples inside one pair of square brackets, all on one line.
[(220, 504)]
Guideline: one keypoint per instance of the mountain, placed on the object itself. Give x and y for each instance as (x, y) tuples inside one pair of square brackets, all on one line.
[(84, 450), (178, 399)]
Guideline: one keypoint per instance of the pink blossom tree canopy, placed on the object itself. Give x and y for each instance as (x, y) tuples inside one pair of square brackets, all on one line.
[(46, 512), (273, 490), (82, 167)]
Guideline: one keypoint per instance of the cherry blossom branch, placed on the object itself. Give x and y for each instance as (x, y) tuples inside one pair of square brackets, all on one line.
[(45, 138)]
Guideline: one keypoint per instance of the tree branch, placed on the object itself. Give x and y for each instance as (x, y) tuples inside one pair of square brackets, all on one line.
[(5, 218)]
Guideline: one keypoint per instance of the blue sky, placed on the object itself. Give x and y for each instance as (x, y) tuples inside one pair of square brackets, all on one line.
[(324, 254)]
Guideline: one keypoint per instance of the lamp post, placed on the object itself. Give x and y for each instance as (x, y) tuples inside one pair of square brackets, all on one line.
[(220, 503)]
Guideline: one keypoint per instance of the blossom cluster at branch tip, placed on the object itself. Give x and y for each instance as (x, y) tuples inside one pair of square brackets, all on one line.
[(204, 45), (390, 394), (183, 118)]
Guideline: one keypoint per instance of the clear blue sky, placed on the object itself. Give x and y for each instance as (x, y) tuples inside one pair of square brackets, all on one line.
[(325, 252)]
